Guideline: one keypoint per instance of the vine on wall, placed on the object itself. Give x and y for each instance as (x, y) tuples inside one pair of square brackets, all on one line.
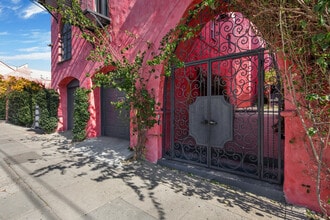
[(299, 31), (80, 114), (132, 75)]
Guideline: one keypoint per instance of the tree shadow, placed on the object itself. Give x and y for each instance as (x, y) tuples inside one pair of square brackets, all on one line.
[(153, 175), (187, 185)]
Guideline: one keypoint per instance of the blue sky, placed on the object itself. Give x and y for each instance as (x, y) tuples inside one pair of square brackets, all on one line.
[(24, 34)]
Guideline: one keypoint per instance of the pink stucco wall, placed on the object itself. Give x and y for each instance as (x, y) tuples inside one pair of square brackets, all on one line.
[(150, 21), (75, 68), (300, 173)]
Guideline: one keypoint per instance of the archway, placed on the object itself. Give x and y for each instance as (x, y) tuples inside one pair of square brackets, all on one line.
[(71, 87), (220, 112)]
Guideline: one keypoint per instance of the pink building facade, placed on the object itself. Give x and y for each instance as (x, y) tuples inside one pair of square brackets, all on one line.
[(234, 65)]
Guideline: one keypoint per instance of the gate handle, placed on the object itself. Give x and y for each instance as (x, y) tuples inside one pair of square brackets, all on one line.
[(211, 122)]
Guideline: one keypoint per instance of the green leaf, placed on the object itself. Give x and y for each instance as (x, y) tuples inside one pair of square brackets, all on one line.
[(311, 131), (312, 97)]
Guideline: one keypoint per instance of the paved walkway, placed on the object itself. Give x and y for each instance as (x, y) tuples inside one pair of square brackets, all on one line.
[(48, 177)]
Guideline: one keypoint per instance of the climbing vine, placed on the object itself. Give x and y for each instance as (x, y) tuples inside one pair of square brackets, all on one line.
[(132, 75), (80, 114), (299, 31)]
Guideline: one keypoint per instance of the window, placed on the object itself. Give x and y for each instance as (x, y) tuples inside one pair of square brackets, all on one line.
[(99, 14), (66, 42), (102, 7)]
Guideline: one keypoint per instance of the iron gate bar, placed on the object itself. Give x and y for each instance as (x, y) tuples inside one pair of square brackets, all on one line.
[(209, 91), (271, 159), (172, 111), (251, 152), (260, 109), (221, 58), (280, 103)]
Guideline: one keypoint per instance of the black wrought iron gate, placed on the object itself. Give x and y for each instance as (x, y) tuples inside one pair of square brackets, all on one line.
[(223, 113)]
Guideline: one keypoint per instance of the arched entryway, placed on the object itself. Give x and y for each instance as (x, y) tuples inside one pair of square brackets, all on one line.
[(71, 87), (222, 109)]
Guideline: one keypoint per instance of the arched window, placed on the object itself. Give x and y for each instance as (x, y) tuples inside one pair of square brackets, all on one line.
[(66, 42)]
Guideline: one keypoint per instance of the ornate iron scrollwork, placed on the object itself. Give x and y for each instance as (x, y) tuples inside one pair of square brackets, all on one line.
[(219, 114)]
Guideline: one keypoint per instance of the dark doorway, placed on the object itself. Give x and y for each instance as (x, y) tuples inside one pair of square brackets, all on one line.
[(115, 122), (71, 87)]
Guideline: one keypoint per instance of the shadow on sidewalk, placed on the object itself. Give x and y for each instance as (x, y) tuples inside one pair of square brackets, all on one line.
[(153, 175)]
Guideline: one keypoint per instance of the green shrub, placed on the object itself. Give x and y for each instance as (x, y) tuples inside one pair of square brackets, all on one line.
[(2, 107), (48, 101), (80, 114), (22, 104), (24, 116), (52, 102), (49, 124), (19, 108)]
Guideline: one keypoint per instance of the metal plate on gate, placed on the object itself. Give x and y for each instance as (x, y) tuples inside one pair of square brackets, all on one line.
[(211, 125)]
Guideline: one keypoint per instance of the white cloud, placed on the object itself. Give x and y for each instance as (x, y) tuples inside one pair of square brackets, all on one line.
[(2, 10), (28, 56), (7, 10), (38, 37), (25, 39), (30, 49), (15, 1), (32, 10)]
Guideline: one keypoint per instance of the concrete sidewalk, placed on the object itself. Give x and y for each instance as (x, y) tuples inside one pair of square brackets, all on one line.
[(48, 177)]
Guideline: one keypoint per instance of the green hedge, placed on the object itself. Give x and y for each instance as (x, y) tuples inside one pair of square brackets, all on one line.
[(22, 105), (19, 108), (48, 101), (80, 114), (2, 107)]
